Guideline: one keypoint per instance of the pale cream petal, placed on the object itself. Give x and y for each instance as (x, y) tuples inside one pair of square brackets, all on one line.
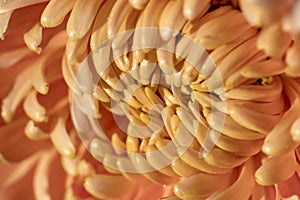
[(118, 12), (40, 181), (192, 9), (266, 68), (295, 130), (293, 61), (69, 77), (69, 165), (33, 38), (232, 62), (99, 30), (167, 148), (159, 161), (139, 4), (279, 141), (166, 61), (220, 158), (192, 158), (276, 169), (35, 133), (49, 61), (118, 143), (274, 41), (209, 35), (180, 133), (108, 187), (55, 12), (26, 147), (237, 147), (202, 185), (271, 108), (167, 96), (142, 166), (76, 49), (256, 121), (4, 19), (20, 89), (264, 13), (62, 140), (191, 27), (125, 32), (82, 17), (169, 21), (183, 169), (231, 128), (265, 93), (218, 54), (33, 108), (152, 13), (6, 6)]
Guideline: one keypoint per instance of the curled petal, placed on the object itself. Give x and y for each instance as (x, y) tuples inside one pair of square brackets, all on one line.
[(263, 69), (265, 93), (20, 89), (219, 158), (4, 19), (118, 12), (191, 157), (183, 169), (33, 109), (276, 169), (295, 130), (260, 13), (55, 12), (208, 35), (108, 187), (279, 140), (250, 119), (35, 133), (293, 60), (99, 30), (192, 9), (274, 41), (231, 128), (202, 185), (82, 17), (33, 38), (170, 22), (25, 147), (6, 6), (62, 140), (138, 4)]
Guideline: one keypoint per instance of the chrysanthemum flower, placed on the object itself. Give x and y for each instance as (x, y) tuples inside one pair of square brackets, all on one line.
[(178, 99)]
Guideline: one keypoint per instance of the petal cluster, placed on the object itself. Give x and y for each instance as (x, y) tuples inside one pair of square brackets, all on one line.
[(148, 99)]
